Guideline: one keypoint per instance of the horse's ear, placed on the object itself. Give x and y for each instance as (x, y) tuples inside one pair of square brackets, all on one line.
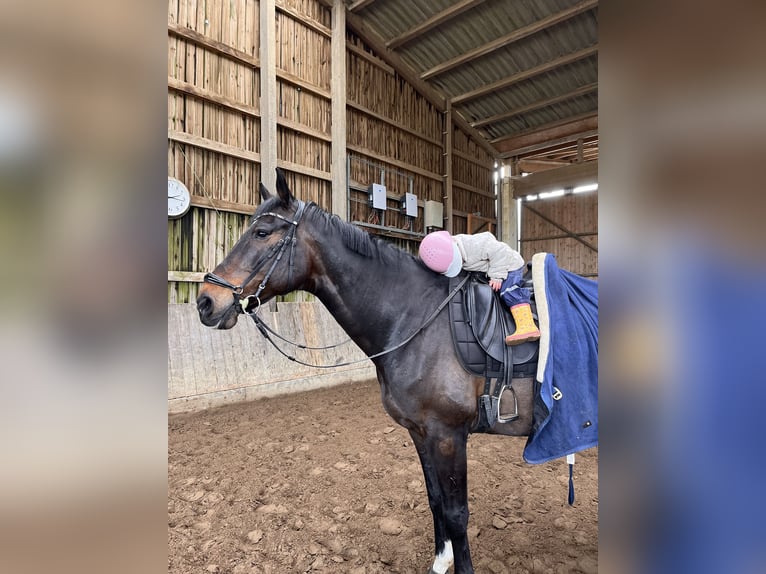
[(265, 193), (282, 189)]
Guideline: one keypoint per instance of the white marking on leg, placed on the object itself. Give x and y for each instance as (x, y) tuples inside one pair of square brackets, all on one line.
[(444, 559)]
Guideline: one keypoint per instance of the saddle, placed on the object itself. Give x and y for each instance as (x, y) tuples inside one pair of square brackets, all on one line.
[(480, 322)]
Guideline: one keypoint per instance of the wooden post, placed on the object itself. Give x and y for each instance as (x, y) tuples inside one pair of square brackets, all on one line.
[(508, 221), (338, 127), (448, 127), (268, 95)]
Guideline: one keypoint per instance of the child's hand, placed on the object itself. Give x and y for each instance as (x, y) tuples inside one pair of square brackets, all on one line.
[(495, 284)]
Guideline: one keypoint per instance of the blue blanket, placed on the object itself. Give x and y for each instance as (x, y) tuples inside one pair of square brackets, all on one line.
[(566, 406)]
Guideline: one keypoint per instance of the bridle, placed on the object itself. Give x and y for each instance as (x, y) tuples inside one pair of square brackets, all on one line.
[(278, 250)]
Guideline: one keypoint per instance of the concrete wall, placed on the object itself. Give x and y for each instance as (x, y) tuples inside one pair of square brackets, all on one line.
[(208, 367)]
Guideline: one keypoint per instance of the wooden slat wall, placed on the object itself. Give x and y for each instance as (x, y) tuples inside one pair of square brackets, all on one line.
[(577, 213), (214, 128), (472, 182)]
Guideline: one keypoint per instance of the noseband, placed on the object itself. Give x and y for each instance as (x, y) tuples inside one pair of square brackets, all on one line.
[(277, 249)]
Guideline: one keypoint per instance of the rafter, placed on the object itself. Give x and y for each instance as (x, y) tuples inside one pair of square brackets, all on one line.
[(359, 4), (510, 38), (574, 126), (526, 74), (581, 91), (432, 22)]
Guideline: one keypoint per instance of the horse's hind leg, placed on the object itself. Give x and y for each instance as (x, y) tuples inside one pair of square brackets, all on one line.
[(443, 457)]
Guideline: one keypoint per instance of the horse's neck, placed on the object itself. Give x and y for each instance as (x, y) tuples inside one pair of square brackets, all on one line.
[(368, 300)]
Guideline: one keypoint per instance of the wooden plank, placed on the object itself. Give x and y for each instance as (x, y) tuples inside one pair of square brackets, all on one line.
[(215, 146), (302, 169), (473, 189), (364, 54), (510, 38), (300, 128), (574, 126), (216, 99), (302, 84), (525, 75), (409, 167), (222, 205), (186, 276), (436, 20), (305, 20), (389, 121), (581, 91), (489, 164), (213, 45)]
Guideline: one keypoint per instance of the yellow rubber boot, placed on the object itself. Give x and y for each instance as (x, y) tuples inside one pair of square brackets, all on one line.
[(526, 330)]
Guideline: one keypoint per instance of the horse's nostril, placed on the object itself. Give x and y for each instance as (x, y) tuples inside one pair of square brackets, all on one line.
[(204, 304)]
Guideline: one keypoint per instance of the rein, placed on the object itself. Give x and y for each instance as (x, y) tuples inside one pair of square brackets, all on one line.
[(279, 248), (265, 330)]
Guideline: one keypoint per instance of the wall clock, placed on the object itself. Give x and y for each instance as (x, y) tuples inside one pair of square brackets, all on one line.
[(179, 199)]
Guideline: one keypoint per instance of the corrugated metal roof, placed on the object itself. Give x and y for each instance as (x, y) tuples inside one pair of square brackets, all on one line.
[(551, 96)]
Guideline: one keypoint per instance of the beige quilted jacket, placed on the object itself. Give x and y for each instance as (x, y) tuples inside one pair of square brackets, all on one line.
[(484, 252)]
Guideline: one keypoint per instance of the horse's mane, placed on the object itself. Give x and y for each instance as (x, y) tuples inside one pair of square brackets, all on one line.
[(358, 240)]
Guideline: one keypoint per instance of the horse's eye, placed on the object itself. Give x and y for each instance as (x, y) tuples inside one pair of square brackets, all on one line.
[(262, 233)]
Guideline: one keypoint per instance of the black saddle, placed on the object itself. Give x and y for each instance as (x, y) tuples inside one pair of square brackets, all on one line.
[(480, 322)]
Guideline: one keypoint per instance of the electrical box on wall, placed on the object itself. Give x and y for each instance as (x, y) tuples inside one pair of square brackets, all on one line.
[(410, 204), (377, 195), (433, 214)]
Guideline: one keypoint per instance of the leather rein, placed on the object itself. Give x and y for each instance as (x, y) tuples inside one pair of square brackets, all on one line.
[(278, 249)]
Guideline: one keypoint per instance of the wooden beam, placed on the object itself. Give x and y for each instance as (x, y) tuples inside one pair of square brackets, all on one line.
[(300, 128), (554, 124), (370, 58), (473, 133), (526, 74), (462, 155), (581, 91), (389, 121), (436, 20), (268, 76), (302, 84), (535, 165), (510, 38), (569, 233), (549, 146), (559, 178), (359, 5), (473, 189), (210, 145), (222, 205), (186, 276), (338, 127), (304, 19), (385, 159), (214, 45), (360, 28), (212, 98), (302, 169), (547, 133)]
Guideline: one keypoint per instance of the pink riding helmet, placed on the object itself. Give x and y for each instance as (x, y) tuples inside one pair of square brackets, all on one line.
[(440, 254)]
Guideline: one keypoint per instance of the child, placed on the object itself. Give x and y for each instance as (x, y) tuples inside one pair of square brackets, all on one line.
[(447, 254)]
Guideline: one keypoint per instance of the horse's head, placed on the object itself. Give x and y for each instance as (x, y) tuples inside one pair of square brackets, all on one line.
[(268, 260)]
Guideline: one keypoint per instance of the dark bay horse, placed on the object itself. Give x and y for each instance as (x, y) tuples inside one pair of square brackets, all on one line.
[(380, 295)]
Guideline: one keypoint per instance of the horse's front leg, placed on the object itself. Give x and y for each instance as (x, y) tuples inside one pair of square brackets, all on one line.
[(442, 453)]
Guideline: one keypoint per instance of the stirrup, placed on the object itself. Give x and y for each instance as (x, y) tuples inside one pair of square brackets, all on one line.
[(515, 415)]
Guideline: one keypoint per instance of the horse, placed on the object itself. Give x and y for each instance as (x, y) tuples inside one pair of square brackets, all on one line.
[(380, 295)]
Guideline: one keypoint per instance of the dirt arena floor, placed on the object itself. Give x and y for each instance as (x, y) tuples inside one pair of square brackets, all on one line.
[(326, 482)]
